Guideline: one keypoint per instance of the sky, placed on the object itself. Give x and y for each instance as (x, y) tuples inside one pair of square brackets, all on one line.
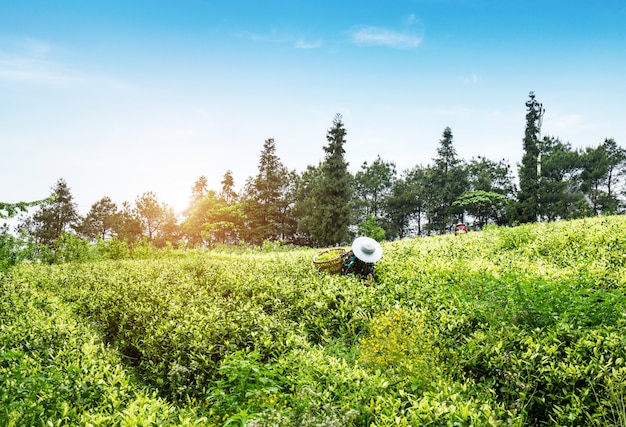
[(122, 97)]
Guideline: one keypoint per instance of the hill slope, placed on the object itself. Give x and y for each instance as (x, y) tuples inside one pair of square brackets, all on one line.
[(508, 326)]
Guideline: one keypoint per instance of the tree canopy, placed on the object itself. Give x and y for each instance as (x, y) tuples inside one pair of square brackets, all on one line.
[(327, 205)]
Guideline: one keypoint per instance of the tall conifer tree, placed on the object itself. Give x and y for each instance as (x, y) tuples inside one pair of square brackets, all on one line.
[(331, 210), (449, 181), (528, 196), (56, 216), (265, 195)]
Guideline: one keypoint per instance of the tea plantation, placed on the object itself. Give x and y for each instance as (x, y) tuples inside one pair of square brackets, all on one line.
[(522, 326)]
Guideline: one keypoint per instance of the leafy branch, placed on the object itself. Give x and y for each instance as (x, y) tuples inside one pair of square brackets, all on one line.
[(9, 210)]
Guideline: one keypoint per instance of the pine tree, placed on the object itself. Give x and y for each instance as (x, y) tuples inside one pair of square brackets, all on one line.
[(373, 186), (604, 168), (101, 220), (449, 181), (56, 216), (330, 217), (265, 198), (306, 185), (528, 196), (228, 187), (199, 189)]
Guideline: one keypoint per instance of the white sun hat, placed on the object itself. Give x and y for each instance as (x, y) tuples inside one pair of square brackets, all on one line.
[(367, 249)]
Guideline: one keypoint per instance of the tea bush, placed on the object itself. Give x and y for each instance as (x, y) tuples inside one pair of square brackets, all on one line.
[(54, 371), (504, 327)]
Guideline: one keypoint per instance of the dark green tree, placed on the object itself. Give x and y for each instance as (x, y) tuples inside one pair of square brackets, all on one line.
[(228, 187), (287, 223), (306, 186), (101, 220), (559, 190), (169, 232), (129, 229), (483, 206), (422, 179), (150, 213), (527, 207), (449, 181), (330, 217), (604, 168), (54, 217), (488, 175), (490, 189), (406, 205), (266, 201), (373, 186), (401, 206)]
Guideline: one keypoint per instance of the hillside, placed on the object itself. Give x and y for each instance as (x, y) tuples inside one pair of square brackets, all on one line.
[(519, 326)]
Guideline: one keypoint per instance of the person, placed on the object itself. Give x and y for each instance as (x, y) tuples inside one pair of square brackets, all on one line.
[(460, 229), (361, 258)]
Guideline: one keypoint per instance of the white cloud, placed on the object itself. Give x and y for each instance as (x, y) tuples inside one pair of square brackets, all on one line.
[(274, 36), (33, 62), (377, 36), (27, 61), (410, 20), (36, 47), (35, 71), (301, 44), (470, 79), (409, 37)]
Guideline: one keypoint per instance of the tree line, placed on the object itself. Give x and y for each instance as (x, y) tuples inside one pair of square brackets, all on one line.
[(326, 204)]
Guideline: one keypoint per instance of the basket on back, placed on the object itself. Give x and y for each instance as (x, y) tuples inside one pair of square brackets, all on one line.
[(329, 260)]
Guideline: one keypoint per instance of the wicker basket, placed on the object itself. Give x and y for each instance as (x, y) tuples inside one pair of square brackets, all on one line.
[(332, 265)]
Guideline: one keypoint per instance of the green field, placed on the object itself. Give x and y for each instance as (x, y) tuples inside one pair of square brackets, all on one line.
[(519, 326)]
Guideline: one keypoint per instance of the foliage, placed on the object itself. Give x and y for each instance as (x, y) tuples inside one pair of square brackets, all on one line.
[(503, 327), (54, 217), (325, 204), (495, 179), (211, 220), (448, 182), (370, 228), (559, 190), (402, 341), (328, 217), (101, 220), (69, 247), (156, 220), (54, 370), (9, 249), (604, 168), (482, 205), (269, 198), (373, 184), (111, 249), (527, 209), (9, 210)]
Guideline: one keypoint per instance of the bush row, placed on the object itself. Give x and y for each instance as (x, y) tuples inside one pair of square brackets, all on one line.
[(519, 326)]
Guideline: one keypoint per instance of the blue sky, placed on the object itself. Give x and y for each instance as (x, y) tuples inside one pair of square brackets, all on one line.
[(123, 97)]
